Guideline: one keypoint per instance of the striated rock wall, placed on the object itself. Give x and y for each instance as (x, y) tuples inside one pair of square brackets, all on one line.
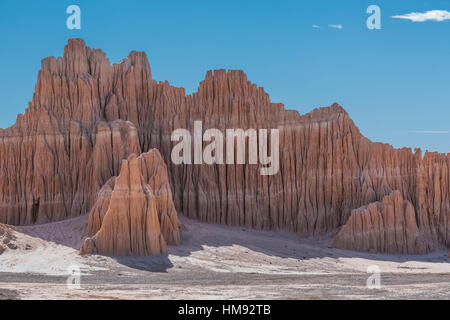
[(50, 170), (386, 226), (63, 149), (134, 213)]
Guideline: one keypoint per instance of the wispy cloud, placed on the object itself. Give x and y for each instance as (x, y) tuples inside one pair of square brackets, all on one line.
[(432, 15), (315, 26), (336, 26), (432, 131)]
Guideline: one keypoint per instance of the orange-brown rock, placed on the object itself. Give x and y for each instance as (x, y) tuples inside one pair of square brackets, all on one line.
[(52, 169), (386, 226), (54, 163), (134, 213), (62, 150)]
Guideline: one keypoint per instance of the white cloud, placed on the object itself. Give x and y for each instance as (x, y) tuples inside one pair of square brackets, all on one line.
[(432, 15), (315, 26), (432, 131), (336, 26)]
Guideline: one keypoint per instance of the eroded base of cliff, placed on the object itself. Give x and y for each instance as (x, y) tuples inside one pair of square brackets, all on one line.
[(214, 261)]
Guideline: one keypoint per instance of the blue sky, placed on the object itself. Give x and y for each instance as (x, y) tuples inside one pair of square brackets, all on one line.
[(393, 82)]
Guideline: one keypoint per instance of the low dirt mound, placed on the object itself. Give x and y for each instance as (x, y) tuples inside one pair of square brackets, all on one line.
[(7, 238)]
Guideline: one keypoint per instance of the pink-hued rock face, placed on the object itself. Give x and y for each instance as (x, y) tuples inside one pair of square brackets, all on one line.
[(87, 115), (134, 213), (386, 226)]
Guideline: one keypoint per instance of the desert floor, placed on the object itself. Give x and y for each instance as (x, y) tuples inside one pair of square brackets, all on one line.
[(213, 262)]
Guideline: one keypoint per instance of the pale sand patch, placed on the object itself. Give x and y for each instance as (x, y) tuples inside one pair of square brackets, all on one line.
[(47, 249), (214, 261), (212, 247)]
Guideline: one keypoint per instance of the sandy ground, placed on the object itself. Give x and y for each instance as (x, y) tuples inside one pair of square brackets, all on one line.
[(213, 262)]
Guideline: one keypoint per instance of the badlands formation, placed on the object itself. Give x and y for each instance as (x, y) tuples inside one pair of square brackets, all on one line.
[(77, 149), (134, 213)]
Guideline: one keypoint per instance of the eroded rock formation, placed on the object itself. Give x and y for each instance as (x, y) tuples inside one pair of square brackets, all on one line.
[(386, 226), (134, 213), (62, 150), (57, 156)]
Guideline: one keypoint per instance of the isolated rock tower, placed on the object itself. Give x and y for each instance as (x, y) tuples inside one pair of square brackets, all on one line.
[(134, 213)]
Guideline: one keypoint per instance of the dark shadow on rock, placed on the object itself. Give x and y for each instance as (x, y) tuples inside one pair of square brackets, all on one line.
[(159, 263), (280, 244), (195, 235), (69, 232)]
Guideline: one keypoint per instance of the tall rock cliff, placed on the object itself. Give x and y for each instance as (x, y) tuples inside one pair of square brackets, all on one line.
[(62, 150), (87, 115)]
